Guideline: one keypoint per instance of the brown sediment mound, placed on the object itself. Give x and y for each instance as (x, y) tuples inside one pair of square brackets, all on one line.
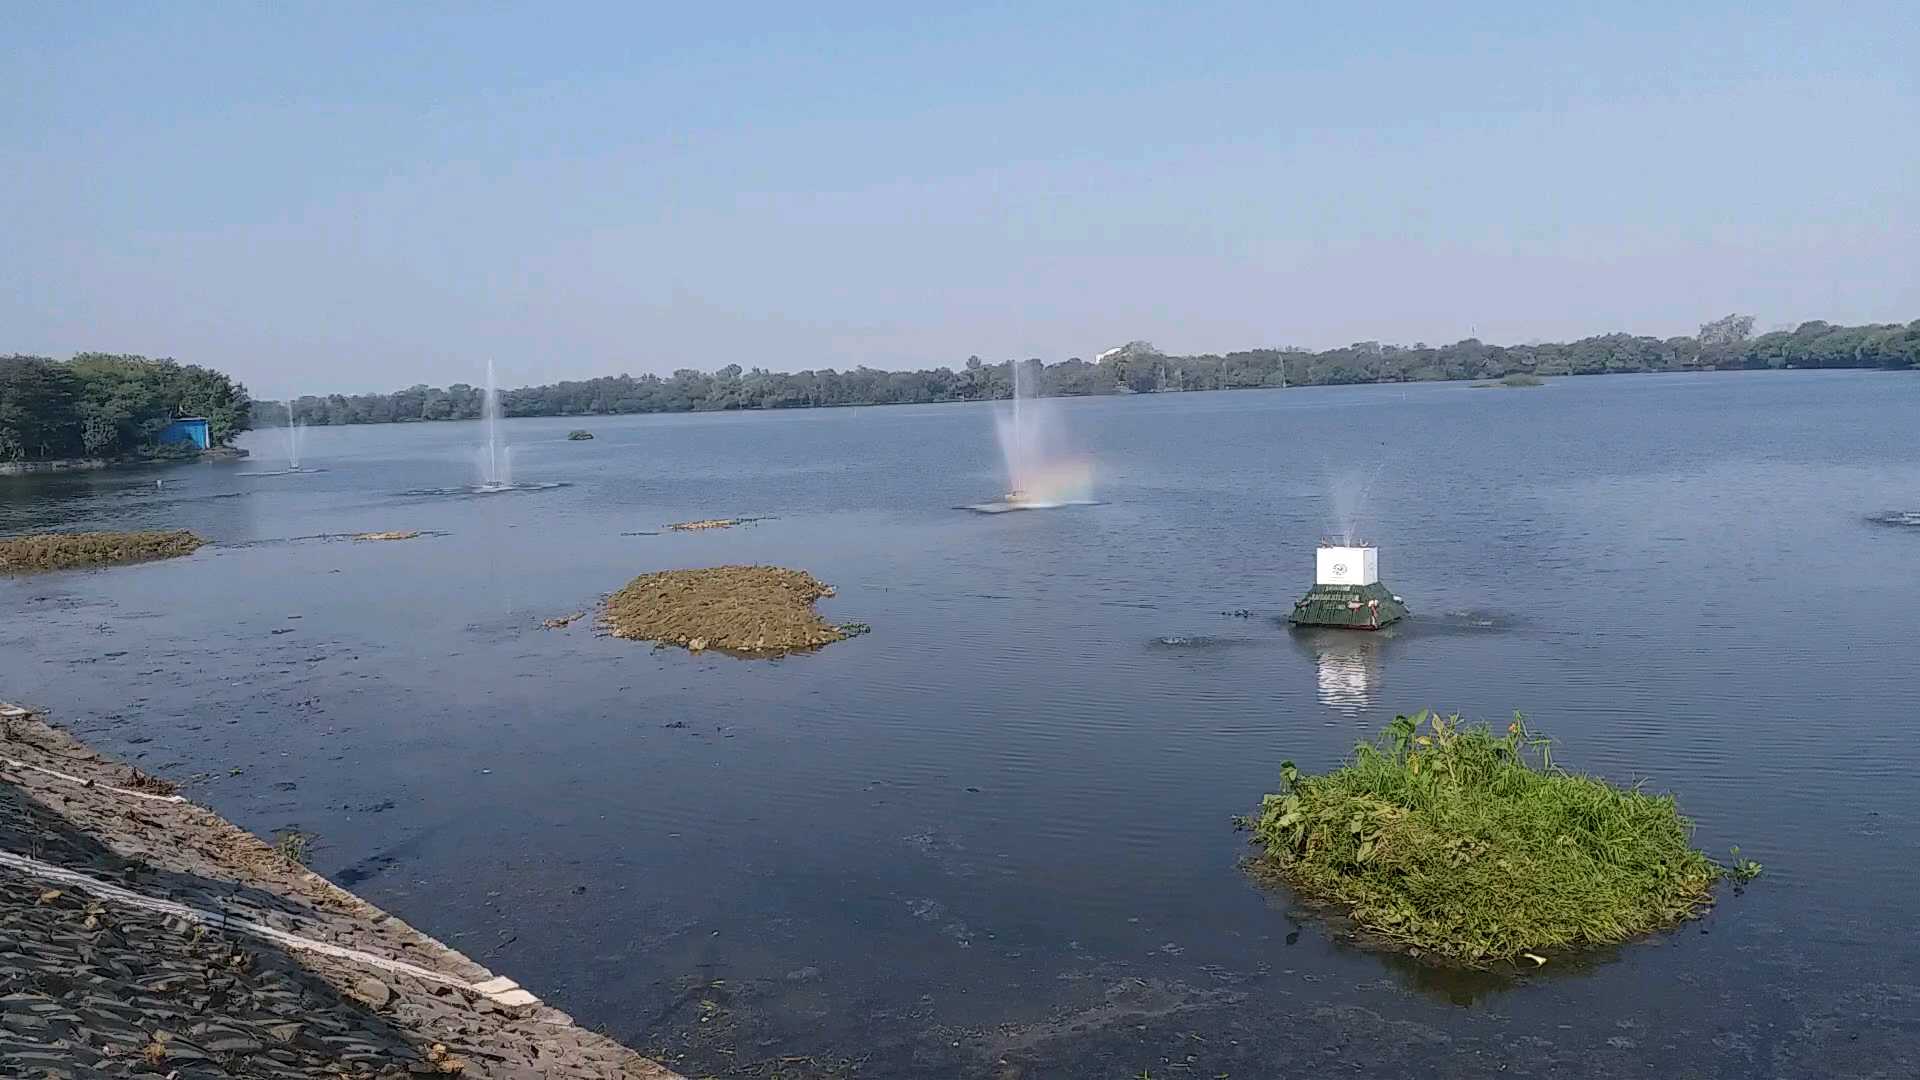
[(149, 783), (61, 551), (705, 523), (402, 535), (746, 609)]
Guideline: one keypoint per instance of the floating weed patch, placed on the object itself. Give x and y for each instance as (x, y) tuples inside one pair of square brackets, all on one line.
[(1474, 848), (755, 610), (63, 551)]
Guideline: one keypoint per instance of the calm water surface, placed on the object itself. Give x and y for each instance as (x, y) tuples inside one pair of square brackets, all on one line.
[(992, 837)]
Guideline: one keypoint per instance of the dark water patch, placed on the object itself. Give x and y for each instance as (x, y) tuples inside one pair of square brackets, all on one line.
[(369, 867), (1459, 622), (154, 497), (991, 508), (326, 538), (1199, 642), (472, 491)]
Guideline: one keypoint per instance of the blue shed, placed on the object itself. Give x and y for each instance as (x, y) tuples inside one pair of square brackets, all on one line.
[(187, 429)]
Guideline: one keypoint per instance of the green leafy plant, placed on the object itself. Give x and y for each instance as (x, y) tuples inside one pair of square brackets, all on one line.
[(292, 845), (1474, 846)]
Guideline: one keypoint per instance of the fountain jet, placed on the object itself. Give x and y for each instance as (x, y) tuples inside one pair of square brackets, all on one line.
[(1040, 472), (295, 435), (496, 459)]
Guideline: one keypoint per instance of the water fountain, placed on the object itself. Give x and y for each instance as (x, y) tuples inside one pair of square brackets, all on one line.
[(1041, 474), (496, 459), (296, 433)]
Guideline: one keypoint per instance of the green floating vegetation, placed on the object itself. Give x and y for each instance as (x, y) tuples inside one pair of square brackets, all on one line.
[(62, 551), (1516, 381), (1473, 847)]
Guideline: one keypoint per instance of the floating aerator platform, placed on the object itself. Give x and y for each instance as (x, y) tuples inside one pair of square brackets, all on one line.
[(1347, 592)]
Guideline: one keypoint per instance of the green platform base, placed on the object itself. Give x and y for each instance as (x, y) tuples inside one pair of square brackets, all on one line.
[(1348, 607)]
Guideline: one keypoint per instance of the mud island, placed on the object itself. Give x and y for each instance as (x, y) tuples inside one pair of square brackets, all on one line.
[(64, 551), (753, 610)]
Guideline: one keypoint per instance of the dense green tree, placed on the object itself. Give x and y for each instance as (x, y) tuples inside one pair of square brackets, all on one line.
[(108, 405), (39, 416), (1139, 367)]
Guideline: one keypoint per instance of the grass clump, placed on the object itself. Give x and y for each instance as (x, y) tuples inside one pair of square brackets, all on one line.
[(1516, 381), (1473, 847), (292, 845), (65, 551), (742, 609)]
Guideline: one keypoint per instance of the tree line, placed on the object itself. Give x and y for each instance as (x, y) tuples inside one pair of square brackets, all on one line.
[(1137, 367), (107, 405)]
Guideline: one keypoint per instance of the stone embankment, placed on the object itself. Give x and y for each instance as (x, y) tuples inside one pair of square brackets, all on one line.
[(142, 935)]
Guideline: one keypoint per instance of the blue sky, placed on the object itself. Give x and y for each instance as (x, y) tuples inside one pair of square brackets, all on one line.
[(358, 197)]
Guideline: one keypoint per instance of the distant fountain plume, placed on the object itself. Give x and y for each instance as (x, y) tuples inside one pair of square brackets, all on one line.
[(1348, 494), (296, 434), (1040, 473), (496, 459)]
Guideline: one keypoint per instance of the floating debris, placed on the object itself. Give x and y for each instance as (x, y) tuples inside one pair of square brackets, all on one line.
[(561, 622), (761, 610), (407, 534), (705, 523), (579, 435), (62, 551)]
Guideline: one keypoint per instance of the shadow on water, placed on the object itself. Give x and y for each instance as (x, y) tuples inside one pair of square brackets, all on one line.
[(1009, 507), (1461, 622), (329, 538), (1198, 642), (480, 490), (1467, 987), (1451, 984)]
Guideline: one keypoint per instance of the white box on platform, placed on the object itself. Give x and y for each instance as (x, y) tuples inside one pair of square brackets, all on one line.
[(1346, 566)]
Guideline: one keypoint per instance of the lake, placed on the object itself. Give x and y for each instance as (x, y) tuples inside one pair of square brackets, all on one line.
[(992, 838)]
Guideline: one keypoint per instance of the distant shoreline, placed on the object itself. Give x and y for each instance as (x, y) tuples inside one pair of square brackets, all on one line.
[(1117, 392), (94, 464)]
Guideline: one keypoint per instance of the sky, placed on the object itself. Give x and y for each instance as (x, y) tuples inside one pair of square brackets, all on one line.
[(350, 197)]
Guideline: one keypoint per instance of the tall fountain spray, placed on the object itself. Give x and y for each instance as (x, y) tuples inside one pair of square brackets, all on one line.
[(496, 460), (1040, 473), (294, 434)]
